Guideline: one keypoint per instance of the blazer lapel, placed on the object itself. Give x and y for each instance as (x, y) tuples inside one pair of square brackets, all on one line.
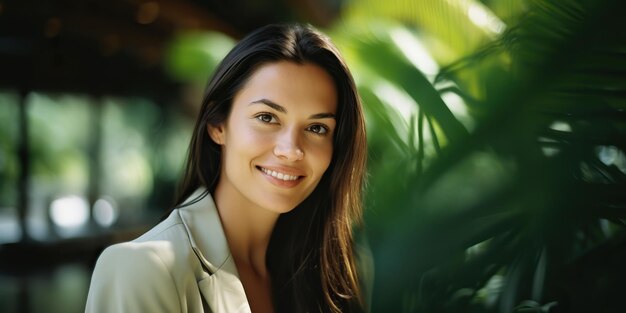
[(222, 289), (224, 292)]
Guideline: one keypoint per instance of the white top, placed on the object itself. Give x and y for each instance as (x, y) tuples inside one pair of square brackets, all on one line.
[(183, 264)]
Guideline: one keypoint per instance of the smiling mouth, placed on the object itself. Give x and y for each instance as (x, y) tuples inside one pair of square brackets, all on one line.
[(278, 175)]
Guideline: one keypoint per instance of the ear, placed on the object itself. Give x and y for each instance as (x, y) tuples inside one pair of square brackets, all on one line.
[(216, 132)]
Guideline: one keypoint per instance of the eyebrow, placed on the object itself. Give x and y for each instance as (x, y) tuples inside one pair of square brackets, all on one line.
[(282, 109)]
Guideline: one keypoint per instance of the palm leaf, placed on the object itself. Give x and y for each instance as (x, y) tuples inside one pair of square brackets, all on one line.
[(547, 214)]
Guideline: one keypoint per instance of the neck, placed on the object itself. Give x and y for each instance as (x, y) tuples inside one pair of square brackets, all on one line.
[(248, 229)]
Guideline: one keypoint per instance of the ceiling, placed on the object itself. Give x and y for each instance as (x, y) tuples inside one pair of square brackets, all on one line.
[(117, 46)]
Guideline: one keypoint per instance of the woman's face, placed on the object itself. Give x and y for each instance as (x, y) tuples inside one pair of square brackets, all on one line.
[(278, 139)]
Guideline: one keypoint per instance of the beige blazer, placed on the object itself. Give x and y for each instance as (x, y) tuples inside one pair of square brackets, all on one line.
[(181, 265)]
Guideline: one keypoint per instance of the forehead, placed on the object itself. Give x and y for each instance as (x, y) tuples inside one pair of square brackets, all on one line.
[(306, 87)]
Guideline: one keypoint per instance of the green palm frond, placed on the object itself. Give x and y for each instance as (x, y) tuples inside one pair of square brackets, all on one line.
[(516, 214)]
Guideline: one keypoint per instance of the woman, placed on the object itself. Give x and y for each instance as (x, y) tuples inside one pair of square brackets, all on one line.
[(271, 191)]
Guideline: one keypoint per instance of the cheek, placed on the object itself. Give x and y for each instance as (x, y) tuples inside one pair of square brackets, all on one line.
[(243, 147), (246, 139), (321, 157)]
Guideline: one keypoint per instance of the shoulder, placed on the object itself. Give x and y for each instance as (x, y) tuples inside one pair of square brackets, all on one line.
[(132, 277), (143, 272), (157, 250), (135, 258)]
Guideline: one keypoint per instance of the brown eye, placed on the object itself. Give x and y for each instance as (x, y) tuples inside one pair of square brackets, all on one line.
[(266, 118), (318, 129)]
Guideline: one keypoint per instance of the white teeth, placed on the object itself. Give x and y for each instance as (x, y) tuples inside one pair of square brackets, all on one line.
[(278, 175)]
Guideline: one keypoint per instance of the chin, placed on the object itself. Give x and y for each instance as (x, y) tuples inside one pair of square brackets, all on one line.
[(282, 201), (281, 209), (280, 206)]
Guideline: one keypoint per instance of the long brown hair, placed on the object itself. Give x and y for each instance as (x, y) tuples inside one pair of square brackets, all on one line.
[(310, 255)]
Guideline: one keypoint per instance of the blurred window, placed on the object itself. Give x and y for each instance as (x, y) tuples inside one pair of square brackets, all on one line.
[(9, 165), (96, 163)]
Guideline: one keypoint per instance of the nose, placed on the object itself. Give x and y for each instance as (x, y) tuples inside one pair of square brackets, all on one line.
[(287, 146)]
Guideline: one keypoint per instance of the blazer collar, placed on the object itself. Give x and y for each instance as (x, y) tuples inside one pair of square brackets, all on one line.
[(222, 289), (206, 234)]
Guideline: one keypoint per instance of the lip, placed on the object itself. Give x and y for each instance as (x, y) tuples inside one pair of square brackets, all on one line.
[(285, 170)]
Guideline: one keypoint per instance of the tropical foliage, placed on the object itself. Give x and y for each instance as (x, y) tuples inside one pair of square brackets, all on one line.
[(497, 181)]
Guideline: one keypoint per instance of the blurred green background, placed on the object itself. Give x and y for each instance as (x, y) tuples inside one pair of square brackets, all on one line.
[(496, 173)]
